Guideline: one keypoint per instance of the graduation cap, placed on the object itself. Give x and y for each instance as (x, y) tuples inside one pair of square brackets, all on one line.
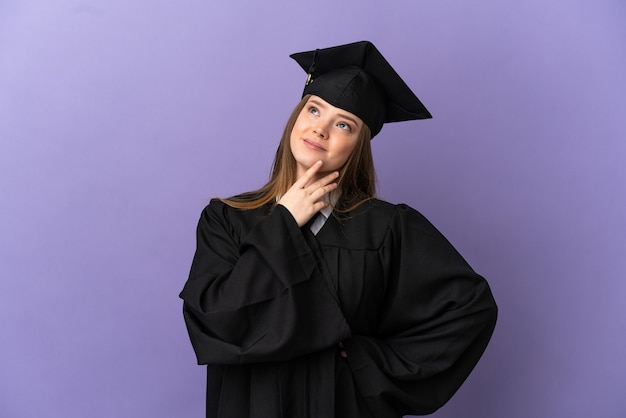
[(357, 78)]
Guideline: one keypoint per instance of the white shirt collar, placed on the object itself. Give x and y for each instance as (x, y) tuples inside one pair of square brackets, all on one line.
[(331, 198)]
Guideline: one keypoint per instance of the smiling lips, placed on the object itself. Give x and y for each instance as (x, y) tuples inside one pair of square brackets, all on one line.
[(313, 145)]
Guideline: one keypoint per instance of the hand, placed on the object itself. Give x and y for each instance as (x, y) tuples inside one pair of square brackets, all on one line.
[(304, 198)]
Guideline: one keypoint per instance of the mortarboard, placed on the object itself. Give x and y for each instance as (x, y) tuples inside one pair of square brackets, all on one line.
[(357, 78)]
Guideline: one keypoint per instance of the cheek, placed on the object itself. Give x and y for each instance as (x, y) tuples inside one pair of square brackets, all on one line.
[(350, 146), (291, 139), (344, 151), (294, 133), (301, 121)]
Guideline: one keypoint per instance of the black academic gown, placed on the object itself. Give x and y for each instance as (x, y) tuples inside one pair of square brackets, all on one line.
[(267, 304)]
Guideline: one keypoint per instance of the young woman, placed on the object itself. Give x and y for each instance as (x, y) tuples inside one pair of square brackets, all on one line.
[(310, 297)]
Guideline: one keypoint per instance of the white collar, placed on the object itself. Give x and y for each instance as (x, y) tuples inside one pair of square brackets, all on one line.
[(331, 198)]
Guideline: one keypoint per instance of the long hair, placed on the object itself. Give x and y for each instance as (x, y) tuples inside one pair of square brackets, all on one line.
[(357, 178)]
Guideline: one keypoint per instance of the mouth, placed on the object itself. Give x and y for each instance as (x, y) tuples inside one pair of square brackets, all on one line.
[(313, 145)]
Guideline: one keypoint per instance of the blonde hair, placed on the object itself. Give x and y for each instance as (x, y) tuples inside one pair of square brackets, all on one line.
[(357, 179)]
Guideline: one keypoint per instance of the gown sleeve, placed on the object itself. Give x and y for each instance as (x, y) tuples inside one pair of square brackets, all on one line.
[(437, 319), (259, 297)]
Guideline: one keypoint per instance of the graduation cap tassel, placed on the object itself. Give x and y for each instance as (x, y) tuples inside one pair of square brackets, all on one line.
[(311, 69)]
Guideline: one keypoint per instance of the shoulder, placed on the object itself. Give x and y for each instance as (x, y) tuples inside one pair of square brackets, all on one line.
[(220, 208), (215, 208), (373, 222), (396, 217), (374, 207), (384, 210), (218, 212)]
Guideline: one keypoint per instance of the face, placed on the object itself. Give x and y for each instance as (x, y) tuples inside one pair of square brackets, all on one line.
[(323, 132)]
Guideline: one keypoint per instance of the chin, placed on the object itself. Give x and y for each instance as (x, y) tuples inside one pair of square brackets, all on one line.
[(308, 160)]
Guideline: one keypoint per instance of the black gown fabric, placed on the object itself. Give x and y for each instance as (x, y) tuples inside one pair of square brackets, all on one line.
[(268, 303)]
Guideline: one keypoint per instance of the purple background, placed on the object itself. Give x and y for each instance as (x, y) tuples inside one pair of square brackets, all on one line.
[(119, 119)]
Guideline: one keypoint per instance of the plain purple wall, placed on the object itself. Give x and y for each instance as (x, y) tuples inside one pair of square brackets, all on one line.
[(119, 119)]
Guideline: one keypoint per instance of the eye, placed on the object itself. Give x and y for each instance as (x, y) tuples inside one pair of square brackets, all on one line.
[(313, 110), (344, 126)]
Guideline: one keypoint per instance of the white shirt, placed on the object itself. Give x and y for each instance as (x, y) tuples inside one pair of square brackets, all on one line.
[(322, 216)]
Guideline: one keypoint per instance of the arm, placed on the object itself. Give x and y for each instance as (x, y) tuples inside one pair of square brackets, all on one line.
[(258, 299), (438, 318)]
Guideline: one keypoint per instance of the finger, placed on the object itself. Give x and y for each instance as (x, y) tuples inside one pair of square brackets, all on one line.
[(322, 191), (318, 200), (308, 175), (317, 206), (324, 181)]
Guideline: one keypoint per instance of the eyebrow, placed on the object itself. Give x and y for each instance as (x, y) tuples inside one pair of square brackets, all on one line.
[(342, 115)]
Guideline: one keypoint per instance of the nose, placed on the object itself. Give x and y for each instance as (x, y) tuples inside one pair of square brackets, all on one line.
[(320, 130)]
